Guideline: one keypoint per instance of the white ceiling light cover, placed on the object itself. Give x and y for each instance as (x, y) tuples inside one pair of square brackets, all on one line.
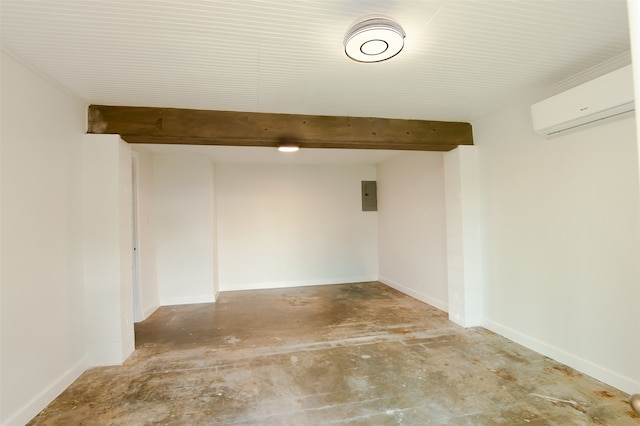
[(374, 39)]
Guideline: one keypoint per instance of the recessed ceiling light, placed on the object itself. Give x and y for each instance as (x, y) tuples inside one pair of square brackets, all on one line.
[(374, 39), (288, 148)]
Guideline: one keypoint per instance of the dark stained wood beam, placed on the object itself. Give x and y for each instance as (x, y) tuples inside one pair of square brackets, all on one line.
[(200, 127)]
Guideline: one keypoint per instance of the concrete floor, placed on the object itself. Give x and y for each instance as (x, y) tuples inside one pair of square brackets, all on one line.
[(359, 354)]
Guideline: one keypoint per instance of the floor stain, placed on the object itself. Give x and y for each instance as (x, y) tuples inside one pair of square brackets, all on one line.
[(567, 371)]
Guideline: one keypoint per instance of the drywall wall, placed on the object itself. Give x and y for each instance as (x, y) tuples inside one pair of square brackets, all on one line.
[(183, 192), (42, 312), (214, 233), (149, 299), (634, 29), (561, 241), (412, 226), (464, 268), (286, 225), (107, 201)]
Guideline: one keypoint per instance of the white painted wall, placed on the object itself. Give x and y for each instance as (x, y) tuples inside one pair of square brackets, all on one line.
[(214, 233), (561, 243), (185, 240), (412, 226), (464, 268), (634, 29), (108, 249), (286, 225), (125, 226), (42, 314), (147, 266)]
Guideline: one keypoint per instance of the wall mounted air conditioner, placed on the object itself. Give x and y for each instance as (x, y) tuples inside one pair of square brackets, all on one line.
[(604, 97)]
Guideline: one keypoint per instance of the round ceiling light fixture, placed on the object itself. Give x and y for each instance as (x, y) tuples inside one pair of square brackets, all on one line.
[(374, 39)]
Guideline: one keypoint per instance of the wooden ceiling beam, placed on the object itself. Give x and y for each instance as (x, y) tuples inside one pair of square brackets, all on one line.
[(200, 127)]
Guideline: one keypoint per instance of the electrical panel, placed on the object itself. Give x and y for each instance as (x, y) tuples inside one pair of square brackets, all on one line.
[(369, 196)]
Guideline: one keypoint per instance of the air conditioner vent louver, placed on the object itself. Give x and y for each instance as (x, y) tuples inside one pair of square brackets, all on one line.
[(604, 97)]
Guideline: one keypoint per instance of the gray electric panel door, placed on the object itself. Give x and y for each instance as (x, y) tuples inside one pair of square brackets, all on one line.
[(369, 196)]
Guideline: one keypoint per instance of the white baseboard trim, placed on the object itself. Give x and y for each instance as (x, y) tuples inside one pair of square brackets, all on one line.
[(42, 399), (443, 306), (290, 284), (187, 300), (587, 367)]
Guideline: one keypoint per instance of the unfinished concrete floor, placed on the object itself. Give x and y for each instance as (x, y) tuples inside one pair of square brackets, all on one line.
[(361, 354)]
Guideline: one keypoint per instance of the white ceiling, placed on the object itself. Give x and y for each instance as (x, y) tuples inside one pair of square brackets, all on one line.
[(462, 58)]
